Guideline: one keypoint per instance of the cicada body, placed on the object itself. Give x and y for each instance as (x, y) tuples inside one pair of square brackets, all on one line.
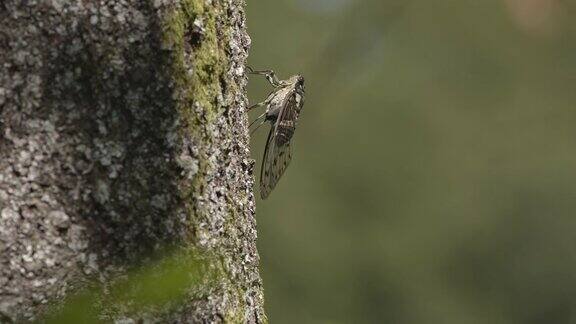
[(283, 108)]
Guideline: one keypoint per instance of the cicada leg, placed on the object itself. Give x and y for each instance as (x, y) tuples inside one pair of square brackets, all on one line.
[(269, 74)]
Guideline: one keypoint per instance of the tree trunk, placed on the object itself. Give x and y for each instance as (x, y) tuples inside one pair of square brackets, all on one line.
[(124, 133)]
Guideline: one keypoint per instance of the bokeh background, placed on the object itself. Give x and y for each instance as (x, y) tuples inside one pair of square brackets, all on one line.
[(434, 169)]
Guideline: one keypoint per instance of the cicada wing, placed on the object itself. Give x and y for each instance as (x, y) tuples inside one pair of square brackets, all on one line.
[(277, 153), (275, 161)]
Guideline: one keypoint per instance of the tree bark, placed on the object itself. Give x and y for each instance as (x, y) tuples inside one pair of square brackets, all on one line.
[(123, 132)]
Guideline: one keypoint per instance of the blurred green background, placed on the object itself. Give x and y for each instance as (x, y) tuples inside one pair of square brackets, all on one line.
[(434, 169)]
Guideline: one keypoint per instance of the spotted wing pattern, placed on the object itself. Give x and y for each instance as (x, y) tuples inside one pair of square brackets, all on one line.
[(277, 153)]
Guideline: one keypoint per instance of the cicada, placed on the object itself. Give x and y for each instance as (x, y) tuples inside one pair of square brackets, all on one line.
[(283, 106)]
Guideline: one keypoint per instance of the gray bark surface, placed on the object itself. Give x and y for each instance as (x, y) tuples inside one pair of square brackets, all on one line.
[(123, 130)]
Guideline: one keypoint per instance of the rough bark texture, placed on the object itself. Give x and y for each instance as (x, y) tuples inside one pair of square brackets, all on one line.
[(123, 131)]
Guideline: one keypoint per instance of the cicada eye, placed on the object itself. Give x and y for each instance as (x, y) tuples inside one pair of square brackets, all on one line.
[(300, 84)]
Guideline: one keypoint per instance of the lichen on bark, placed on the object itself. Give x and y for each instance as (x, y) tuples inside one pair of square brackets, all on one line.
[(123, 133)]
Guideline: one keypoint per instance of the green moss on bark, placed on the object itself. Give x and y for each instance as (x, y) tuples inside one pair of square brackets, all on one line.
[(198, 64), (197, 67)]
